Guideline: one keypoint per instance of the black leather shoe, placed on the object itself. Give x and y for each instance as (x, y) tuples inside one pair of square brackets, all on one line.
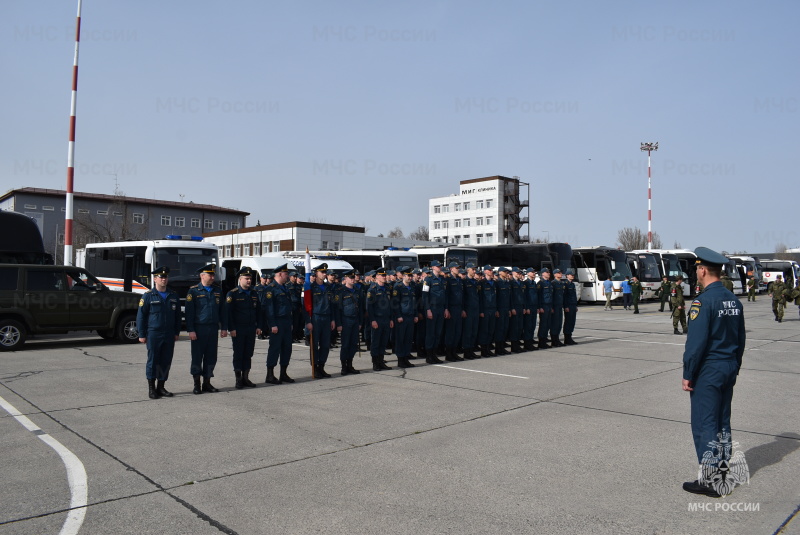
[(152, 392), (198, 388), (321, 373), (350, 368), (695, 487), (163, 392), (676, 331), (271, 379), (246, 379), (208, 387), (284, 378), (432, 360), (238, 375)]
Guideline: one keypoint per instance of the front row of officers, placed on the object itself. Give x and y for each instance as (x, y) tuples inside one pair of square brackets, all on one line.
[(473, 311)]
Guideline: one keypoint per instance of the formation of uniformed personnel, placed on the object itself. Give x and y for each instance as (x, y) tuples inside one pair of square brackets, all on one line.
[(664, 293), (242, 318), (404, 307), (778, 299), (545, 295), (752, 288), (204, 307), (678, 305), (571, 307), (379, 316), (711, 362), (636, 293), (557, 317), (348, 321), (276, 300), (322, 320), (159, 323), (434, 303)]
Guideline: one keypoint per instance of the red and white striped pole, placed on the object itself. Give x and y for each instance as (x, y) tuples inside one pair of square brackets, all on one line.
[(649, 147), (71, 151)]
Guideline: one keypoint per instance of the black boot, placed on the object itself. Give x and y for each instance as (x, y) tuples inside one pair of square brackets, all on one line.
[(469, 354), (489, 348), (421, 353), (284, 378), (556, 342), (321, 373), (516, 347), (345, 369), (500, 349), (239, 384), (207, 386), (676, 331), (246, 379), (153, 394), (403, 362), (375, 366), (449, 356), (431, 358), (350, 368), (543, 343), (163, 392), (568, 340), (198, 388), (271, 379)]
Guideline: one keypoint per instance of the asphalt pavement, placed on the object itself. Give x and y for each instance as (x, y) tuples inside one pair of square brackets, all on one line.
[(591, 438)]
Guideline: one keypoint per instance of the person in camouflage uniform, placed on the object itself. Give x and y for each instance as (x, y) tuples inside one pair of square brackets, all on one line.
[(678, 309), (664, 293), (752, 288), (727, 282), (778, 299), (636, 293)]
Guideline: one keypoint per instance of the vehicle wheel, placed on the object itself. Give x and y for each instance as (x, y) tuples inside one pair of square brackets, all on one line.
[(126, 329), (106, 335), (12, 335)]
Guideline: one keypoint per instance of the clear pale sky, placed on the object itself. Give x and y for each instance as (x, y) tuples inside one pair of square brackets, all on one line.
[(358, 112)]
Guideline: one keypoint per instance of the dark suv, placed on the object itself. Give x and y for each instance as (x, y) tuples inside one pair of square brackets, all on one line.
[(36, 299)]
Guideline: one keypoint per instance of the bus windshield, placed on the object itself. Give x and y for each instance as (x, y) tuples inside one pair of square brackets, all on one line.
[(184, 262), (392, 262), (618, 263), (648, 268), (562, 255), (462, 256), (672, 266)]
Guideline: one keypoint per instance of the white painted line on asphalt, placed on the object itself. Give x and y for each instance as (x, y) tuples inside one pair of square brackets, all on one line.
[(76, 473), (479, 371), (635, 341)]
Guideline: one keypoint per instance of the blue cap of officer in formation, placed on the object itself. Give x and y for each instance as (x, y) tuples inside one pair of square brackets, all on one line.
[(390, 272), (292, 273), (244, 272), (380, 271), (516, 270), (570, 271), (503, 269), (322, 267), (544, 270), (210, 269), (370, 273), (349, 274), (453, 265), (530, 270), (487, 267), (266, 274), (161, 271), (416, 271), (470, 265), (281, 269), (707, 257), (425, 270), (436, 263), (556, 270)]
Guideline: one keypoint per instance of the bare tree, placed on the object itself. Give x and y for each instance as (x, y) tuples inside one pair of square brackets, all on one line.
[(677, 245), (780, 252), (420, 234), (115, 225), (632, 238), (396, 232)]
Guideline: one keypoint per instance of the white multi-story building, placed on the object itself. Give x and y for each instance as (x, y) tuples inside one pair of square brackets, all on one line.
[(486, 210)]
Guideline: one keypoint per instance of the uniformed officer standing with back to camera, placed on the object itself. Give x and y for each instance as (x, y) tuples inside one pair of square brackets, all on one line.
[(204, 307), (242, 319), (276, 301), (159, 324), (711, 361)]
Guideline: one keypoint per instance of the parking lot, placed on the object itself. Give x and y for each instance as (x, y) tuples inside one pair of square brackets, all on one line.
[(592, 438)]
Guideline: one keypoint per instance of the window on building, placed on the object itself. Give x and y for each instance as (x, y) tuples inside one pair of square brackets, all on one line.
[(488, 203), (466, 221), (138, 219), (48, 208), (223, 225), (195, 222), (437, 225), (324, 245), (456, 239), (457, 223), (445, 208), (489, 220), (166, 221), (437, 209), (478, 239), (83, 211), (479, 205), (466, 239), (256, 249), (102, 212), (227, 250), (209, 224), (276, 246), (336, 246), (478, 221), (466, 206), (234, 225), (457, 207), (63, 209), (247, 249), (180, 222), (237, 250), (266, 246), (118, 214), (489, 238), (445, 224), (30, 207)]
